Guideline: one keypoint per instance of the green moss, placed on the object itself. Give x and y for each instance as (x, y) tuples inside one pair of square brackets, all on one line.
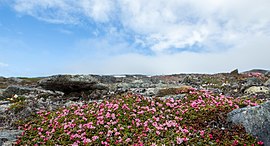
[(174, 91), (18, 106)]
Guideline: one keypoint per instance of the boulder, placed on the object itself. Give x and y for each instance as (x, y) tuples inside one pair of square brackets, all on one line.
[(72, 83), (257, 89), (256, 120), (11, 90)]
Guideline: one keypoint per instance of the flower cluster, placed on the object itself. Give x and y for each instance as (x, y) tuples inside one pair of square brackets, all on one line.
[(137, 120)]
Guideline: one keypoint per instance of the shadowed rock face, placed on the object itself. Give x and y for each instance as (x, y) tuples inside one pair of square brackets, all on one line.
[(256, 120), (71, 83)]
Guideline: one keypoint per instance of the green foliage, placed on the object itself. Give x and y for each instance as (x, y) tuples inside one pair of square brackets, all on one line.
[(197, 119)]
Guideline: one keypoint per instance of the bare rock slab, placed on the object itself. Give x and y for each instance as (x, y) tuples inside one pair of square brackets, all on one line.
[(256, 120), (71, 83)]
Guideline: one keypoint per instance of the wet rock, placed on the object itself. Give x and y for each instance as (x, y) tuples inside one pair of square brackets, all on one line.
[(257, 89), (12, 90), (72, 83), (7, 137), (256, 120)]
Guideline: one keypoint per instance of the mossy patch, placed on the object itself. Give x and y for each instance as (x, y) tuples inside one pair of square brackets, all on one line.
[(174, 91)]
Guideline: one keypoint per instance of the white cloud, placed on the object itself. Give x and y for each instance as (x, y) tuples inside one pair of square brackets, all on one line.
[(233, 34), (163, 25), (253, 53), (179, 24)]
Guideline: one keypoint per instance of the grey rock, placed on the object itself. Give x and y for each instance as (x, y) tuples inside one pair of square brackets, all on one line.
[(251, 82), (257, 89), (17, 80), (72, 83), (1, 93), (234, 72), (9, 136), (175, 97), (256, 120), (10, 91), (4, 105), (267, 83)]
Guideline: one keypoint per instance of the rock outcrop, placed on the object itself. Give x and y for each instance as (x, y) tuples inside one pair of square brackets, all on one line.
[(256, 120), (12, 90), (72, 83)]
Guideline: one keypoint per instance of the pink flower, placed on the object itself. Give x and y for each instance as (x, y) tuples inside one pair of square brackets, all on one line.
[(109, 133), (108, 115), (140, 112), (235, 142), (202, 133), (113, 116), (185, 139), (260, 143), (39, 129), (157, 132), (210, 136), (94, 138), (75, 144), (128, 140), (179, 140), (117, 133)]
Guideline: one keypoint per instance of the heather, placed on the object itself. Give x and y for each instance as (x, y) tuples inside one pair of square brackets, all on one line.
[(198, 118)]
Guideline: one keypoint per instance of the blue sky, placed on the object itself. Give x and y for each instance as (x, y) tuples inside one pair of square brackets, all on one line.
[(46, 37)]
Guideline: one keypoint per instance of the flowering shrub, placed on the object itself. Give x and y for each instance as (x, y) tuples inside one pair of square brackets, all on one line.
[(197, 119)]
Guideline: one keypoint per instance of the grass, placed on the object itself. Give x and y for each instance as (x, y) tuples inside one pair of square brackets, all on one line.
[(197, 119)]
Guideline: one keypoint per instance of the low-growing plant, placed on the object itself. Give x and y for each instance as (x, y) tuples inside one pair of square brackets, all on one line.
[(197, 119)]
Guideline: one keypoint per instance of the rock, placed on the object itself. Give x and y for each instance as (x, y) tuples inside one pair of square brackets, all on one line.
[(72, 83), (175, 97), (20, 91), (1, 93), (251, 82), (257, 89), (262, 71), (234, 72), (9, 136), (256, 120), (4, 105), (267, 83)]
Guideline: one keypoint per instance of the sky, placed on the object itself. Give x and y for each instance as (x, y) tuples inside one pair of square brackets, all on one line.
[(48, 37)]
